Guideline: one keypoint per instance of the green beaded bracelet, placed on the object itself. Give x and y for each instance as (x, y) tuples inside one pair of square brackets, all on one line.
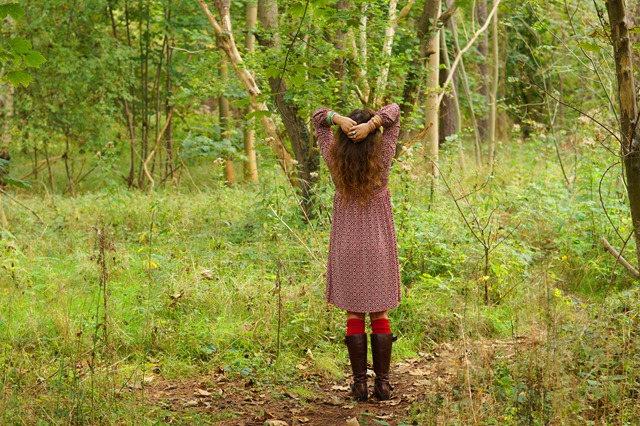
[(330, 117)]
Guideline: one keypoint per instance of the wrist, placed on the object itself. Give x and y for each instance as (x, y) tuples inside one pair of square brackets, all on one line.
[(331, 118)]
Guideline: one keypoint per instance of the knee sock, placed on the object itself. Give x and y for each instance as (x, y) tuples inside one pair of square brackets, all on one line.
[(380, 326), (355, 326)]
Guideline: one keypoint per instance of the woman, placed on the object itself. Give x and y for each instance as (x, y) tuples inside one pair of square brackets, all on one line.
[(362, 272)]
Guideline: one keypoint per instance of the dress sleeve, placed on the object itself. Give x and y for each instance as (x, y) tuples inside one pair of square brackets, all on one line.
[(390, 115), (323, 132)]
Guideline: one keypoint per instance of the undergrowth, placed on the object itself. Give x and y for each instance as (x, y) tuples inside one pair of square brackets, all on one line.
[(119, 287)]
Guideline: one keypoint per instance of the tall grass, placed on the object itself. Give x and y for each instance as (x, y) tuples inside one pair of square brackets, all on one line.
[(120, 287)]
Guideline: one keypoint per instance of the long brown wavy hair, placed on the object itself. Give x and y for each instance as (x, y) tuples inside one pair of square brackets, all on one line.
[(357, 166)]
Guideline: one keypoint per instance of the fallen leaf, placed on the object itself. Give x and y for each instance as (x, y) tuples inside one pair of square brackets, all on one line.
[(340, 388), (353, 422), (422, 382), (387, 417), (334, 400), (201, 392), (191, 403), (207, 273), (274, 422), (418, 372), (348, 407)]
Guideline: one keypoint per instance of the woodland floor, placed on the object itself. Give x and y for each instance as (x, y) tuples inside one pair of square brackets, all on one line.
[(439, 375)]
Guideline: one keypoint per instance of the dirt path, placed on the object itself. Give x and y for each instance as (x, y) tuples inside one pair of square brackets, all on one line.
[(436, 375)]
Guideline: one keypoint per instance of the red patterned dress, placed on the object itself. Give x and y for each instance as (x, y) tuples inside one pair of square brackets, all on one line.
[(363, 274)]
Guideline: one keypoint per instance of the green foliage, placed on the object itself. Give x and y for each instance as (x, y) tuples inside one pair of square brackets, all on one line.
[(16, 53), (6, 178)]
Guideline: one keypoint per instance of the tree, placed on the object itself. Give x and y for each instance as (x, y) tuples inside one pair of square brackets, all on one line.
[(628, 104), (224, 32), (483, 86), (432, 107), (225, 125), (250, 164), (306, 154)]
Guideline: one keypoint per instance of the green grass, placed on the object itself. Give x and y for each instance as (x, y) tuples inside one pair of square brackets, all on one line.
[(548, 276)]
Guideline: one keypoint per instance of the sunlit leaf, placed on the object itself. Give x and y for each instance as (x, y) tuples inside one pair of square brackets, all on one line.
[(19, 77), (11, 9), (20, 45), (34, 59), (258, 114)]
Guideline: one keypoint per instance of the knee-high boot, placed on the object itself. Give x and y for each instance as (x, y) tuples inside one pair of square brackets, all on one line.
[(381, 345), (357, 346)]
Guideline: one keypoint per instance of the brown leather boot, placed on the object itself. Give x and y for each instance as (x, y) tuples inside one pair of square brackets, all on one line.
[(357, 346), (381, 350)]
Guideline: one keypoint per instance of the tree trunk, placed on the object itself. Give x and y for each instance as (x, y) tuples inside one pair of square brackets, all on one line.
[(425, 32), (493, 107), (145, 50), (390, 31), (629, 134), (448, 115), (225, 125), (170, 167), (228, 45), (452, 123), (432, 106), (6, 115), (250, 164), (636, 41), (483, 69), (338, 65), (358, 53), (125, 104), (306, 154)]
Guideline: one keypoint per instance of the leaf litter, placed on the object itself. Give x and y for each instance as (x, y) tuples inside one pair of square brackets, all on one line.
[(435, 373)]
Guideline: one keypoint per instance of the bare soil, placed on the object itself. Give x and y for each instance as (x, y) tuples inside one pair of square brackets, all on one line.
[(437, 377)]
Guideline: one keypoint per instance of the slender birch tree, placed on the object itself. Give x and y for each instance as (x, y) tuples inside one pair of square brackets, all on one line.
[(249, 136), (432, 107), (493, 91)]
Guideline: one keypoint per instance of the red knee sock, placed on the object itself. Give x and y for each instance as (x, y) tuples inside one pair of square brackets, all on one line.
[(380, 326), (355, 326)]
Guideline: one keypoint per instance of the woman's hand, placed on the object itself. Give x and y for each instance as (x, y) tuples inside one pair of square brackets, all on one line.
[(345, 123), (359, 131)]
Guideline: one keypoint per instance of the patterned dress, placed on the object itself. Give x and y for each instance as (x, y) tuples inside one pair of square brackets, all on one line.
[(362, 271)]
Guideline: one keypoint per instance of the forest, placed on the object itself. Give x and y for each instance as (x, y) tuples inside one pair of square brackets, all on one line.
[(165, 210)]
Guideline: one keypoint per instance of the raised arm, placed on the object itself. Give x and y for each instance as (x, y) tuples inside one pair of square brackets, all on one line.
[(390, 116), (323, 118)]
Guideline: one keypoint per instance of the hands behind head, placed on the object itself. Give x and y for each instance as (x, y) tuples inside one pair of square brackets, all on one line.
[(356, 132), (360, 131)]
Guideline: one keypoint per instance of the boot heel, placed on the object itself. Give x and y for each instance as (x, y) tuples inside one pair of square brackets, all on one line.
[(357, 346), (381, 345)]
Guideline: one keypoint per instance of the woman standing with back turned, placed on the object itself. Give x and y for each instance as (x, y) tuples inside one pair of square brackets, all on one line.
[(362, 272)]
